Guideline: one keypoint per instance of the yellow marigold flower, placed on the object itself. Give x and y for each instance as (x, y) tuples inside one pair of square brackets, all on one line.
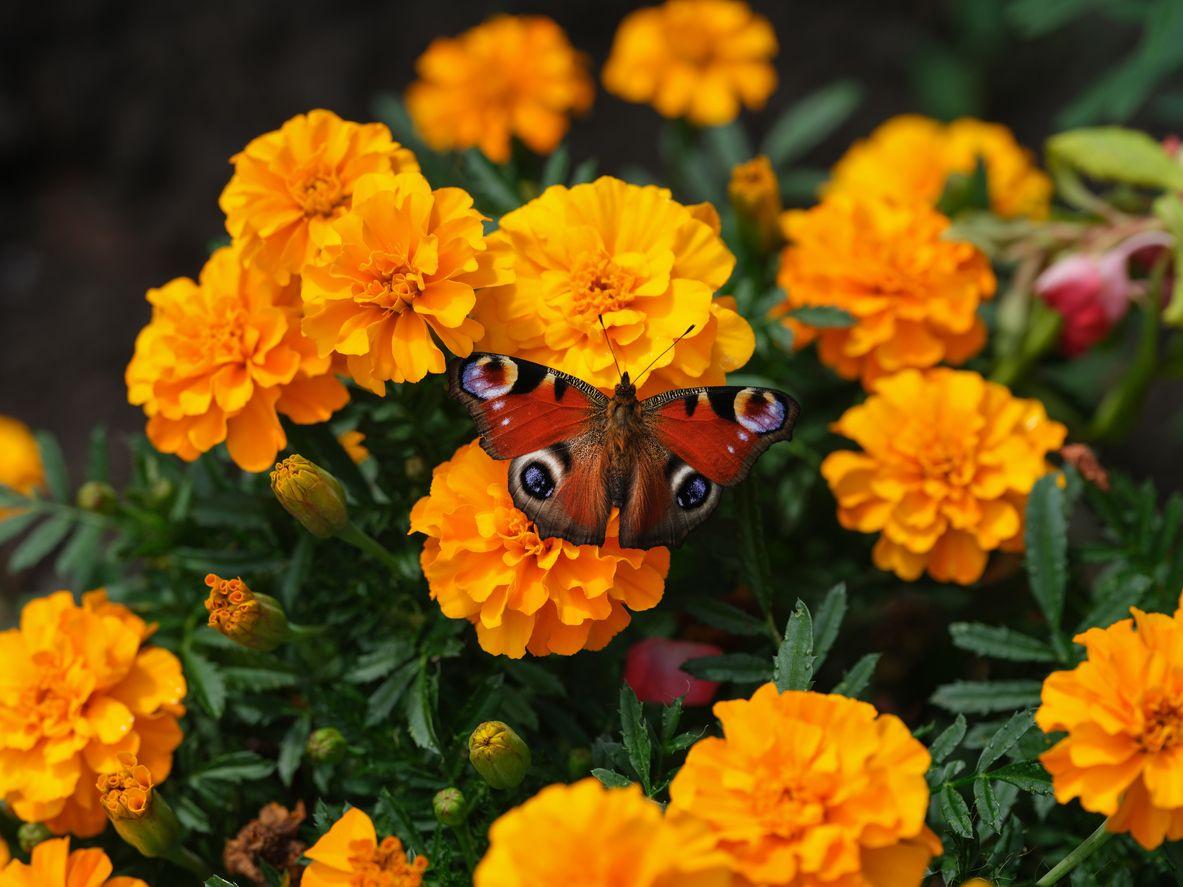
[(484, 562), (514, 75), (698, 59), (598, 837), (1122, 709), (353, 443), (403, 265), (914, 295), (647, 264), (291, 183), (350, 853), (54, 865), (20, 460), (79, 686), (809, 788), (910, 158), (947, 462), (221, 358), (5, 854)]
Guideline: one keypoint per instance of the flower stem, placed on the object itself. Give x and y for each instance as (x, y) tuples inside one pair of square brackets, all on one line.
[(361, 540), (187, 859), (464, 836), (1083, 851)]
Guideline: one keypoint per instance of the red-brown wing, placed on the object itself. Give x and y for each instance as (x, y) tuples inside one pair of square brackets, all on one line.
[(562, 489), (666, 499)]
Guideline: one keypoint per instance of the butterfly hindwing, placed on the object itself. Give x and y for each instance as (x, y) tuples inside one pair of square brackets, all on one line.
[(561, 488), (667, 498)]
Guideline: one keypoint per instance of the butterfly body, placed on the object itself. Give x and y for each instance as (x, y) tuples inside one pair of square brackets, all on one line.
[(576, 453)]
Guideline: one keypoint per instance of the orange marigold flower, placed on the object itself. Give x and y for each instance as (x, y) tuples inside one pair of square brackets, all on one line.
[(485, 562), (403, 265), (947, 462), (911, 157), (912, 294), (354, 444), (220, 358), (514, 75), (644, 262), (1122, 709), (79, 686), (598, 837), (291, 183), (698, 59), (54, 865), (350, 853), (20, 460), (807, 789)]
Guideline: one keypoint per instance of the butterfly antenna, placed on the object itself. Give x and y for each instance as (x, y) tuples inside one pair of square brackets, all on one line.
[(608, 340), (637, 381)]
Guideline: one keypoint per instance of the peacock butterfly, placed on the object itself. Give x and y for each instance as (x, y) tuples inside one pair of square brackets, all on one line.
[(577, 453)]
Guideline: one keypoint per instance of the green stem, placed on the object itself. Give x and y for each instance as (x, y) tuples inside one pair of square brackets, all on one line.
[(1118, 410), (361, 540), (464, 836), (187, 859), (1083, 851), (303, 632), (1042, 334)]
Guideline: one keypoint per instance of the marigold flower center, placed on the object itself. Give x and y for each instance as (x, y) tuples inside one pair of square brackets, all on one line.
[(392, 286), (384, 865), (598, 286), (318, 192), (520, 531), (785, 809), (52, 704), (1163, 725)]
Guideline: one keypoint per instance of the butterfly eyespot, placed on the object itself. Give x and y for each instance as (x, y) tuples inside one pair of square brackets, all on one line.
[(537, 481), (758, 411), (692, 491), (489, 377)]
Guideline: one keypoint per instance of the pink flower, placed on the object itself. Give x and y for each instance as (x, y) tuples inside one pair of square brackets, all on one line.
[(653, 669)]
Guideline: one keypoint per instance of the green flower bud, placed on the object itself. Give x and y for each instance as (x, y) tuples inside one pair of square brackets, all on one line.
[(311, 495), (97, 496), (326, 746), (579, 762), (449, 806), (30, 834), (253, 620), (498, 754), (140, 816)]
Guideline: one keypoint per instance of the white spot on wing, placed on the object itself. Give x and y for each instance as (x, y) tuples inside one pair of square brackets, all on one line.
[(743, 435), (730, 448), (505, 421)]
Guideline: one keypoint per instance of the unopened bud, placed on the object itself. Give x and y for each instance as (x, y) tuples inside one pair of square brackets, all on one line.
[(326, 746), (498, 754), (97, 496), (449, 806), (30, 834), (415, 467), (253, 620), (579, 762), (142, 818), (311, 495), (755, 193)]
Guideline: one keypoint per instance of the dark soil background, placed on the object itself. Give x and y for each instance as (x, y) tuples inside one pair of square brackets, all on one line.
[(117, 120)]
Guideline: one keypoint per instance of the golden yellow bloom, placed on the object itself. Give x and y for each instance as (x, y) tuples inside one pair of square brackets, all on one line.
[(403, 265), (914, 296), (698, 59), (947, 462), (77, 687), (755, 193), (311, 495), (53, 865), (807, 789), (291, 183), (20, 460), (484, 562), (910, 158), (1122, 709), (253, 620), (647, 264), (350, 853), (514, 75), (353, 443), (594, 836), (221, 358)]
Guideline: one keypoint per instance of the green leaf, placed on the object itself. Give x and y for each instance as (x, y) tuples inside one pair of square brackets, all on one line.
[(793, 666), (729, 143), (858, 676), (752, 548), (718, 614), (827, 623), (966, 192), (40, 542), (949, 739), (1004, 740), (987, 803), (218, 881), (489, 182), (1116, 593), (11, 527), (389, 692), (235, 767), (611, 778), (397, 820), (1047, 547), (57, 478), (205, 682), (378, 663), (823, 316), (1026, 775), (584, 172), (955, 811), (258, 680), (420, 724), (294, 575), (1116, 154), (291, 749), (810, 121), (999, 643), (77, 559), (983, 697), (1169, 208), (671, 716), (554, 172), (741, 668), (635, 734), (97, 459)]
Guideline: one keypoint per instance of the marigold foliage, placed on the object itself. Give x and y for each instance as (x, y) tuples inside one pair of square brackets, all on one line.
[(20, 459), (350, 853), (53, 864)]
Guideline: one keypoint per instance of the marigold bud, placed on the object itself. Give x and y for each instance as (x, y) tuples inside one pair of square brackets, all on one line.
[(449, 806), (579, 762), (498, 754), (142, 818), (311, 495), (755, 193), (30, 834), (97, 496), (253, 620), (326, 746)]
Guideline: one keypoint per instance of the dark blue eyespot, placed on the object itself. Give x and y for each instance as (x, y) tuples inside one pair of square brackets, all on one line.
[(537, 481), (693, 491)]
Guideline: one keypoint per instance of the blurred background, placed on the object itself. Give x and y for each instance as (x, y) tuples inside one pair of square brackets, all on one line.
[(117, 120)]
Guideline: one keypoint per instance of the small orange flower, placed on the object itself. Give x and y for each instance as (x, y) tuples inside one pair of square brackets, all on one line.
[(912, 294), (221, 358), (398, 271), (484, 562), (1122, 709), (698, 59), (20, 460), (350, 853), (594, 836), (806, 789), (54, 865), (514, 75), (948, 460), (353, 443), (289, 184), (79, 687)]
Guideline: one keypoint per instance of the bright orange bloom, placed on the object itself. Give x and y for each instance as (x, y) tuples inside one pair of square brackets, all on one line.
[(594, 836), (698, 59), (77, 687), (403, 265), (644, 262), (53, 865), (291, 183), (350, 853), (810, 789), (947, 462), (910, 158), (353, 443), (484, 562), (20, 460), (221, 358), (514, 75), (913, 295), (1122, 709)]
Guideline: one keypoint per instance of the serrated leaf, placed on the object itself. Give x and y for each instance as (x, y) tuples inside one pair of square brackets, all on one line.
[(1026, 775), (635, 735), (999, 642), (236, 767), (78, 556), (825, 317), (982, 697), (718, 614), (1004, 740), (671, 716), (810, 121), (858, 676), (828, 621), (793, 666), (291, 750), (1116, 593), (987, 804), (420, 722), (1047, 547), (13, 526), (955, 811), (740, 668), (611, 778), (40, 542), (395, 817), (1116, 154), (205, 683), (685, 740), (949, 739), (257, 680), (218, 881), (57, 478), (378, 663)]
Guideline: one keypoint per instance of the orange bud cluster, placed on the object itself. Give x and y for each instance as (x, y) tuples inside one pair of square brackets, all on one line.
[(127, 793), (253, 620)]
